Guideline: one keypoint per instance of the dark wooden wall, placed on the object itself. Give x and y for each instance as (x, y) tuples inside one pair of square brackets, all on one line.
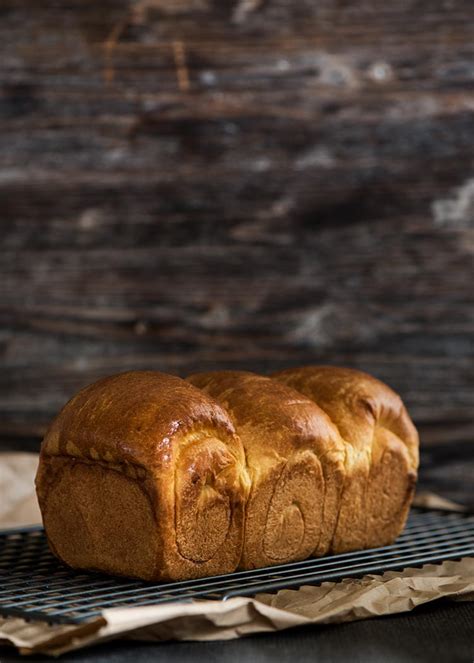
[(188, 184)]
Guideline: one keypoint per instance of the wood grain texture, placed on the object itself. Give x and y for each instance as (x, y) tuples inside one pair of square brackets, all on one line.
[(187, 185)]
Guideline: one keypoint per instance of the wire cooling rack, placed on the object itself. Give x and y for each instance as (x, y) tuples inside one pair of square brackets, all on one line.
[(35, 585)]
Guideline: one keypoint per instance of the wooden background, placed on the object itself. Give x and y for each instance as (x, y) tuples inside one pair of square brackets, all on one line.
[(189, 184)]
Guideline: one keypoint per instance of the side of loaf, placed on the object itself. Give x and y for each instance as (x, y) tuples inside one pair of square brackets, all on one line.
[(147, 475)]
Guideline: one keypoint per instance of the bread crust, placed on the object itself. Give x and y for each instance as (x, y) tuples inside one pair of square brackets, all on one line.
[(141, 474), (381, 451), (295, 459), (147, 475)]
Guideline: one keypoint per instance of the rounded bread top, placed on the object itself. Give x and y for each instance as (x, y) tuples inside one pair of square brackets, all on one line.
[(134, 417)]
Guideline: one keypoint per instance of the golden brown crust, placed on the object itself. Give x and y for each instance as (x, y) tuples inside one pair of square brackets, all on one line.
[(172, 454), (295, 460), (132, 418), (143, 474), (382, 451)]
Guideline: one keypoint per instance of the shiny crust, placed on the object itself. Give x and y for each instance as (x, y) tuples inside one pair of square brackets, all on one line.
[(381, 451), (144, 474), (141, 474), (295, 459)]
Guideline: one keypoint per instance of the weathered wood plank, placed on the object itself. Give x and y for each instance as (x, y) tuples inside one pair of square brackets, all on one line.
[(186, 185)]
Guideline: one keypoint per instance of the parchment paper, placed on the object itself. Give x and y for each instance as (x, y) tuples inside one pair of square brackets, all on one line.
[(330, 602), (18, 505)]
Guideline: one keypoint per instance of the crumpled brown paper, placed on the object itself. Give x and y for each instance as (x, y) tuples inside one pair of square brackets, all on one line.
[(329, 602), (427, 500), (18, 504), (216, 620)]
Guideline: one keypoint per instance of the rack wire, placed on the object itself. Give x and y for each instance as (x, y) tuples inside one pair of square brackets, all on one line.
[(35, 585)]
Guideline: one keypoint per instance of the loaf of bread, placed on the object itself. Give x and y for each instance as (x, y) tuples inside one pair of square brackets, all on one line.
[(147, 475)]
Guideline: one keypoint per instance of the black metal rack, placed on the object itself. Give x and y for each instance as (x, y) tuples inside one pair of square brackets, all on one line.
[(35, 585)]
